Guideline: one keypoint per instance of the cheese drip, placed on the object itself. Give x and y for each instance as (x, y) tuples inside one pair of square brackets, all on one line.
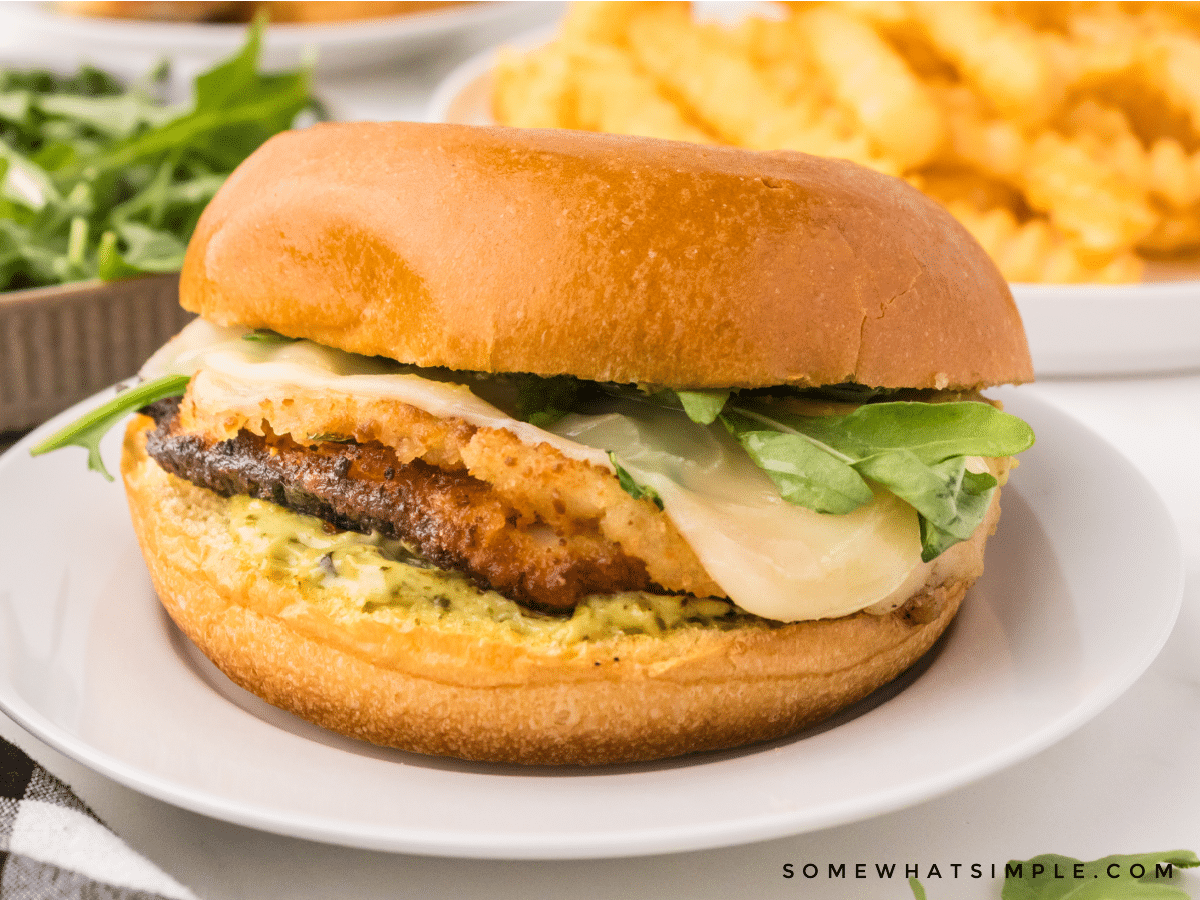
[(773, 558)]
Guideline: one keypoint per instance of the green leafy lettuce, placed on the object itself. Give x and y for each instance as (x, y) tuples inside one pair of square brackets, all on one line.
[(919, 451), (703, 406), (100, 180), (543, 401), (631, 486), (88, 430)]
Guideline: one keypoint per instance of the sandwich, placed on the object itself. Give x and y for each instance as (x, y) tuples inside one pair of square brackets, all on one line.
[(547, 447)]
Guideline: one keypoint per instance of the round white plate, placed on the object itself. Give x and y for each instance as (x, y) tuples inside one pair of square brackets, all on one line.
[(1072, 329), (1084, 581), (340, 45)]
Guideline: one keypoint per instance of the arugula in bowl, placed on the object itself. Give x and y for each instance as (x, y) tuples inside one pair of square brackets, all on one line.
[(100, 180)]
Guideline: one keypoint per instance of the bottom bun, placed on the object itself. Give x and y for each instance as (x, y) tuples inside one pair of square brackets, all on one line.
[(500, 691)]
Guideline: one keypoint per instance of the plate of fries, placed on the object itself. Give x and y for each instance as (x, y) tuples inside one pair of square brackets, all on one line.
[(1064, 136)]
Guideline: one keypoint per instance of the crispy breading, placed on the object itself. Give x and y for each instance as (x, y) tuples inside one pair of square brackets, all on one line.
[(550, 515)]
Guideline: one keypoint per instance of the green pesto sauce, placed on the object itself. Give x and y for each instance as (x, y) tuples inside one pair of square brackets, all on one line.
[(374, 575)]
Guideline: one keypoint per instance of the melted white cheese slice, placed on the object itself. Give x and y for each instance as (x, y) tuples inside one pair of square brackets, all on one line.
[(772, 558), (267, 368)]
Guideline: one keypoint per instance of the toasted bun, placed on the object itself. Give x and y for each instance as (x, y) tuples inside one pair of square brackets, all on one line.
[(472, 694), (606, 257)]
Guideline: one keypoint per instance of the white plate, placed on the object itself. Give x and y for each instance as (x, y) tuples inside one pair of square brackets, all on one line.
[(1072, 329), (134, 45), (1083, 585)]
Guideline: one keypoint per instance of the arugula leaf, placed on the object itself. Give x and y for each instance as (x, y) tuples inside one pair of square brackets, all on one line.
[(150, 249), (110, 265), (543, 401), (916, 450), (1108, 878), (917, 889), (114, 116), (222, 84), (88, 82), (631, 486), (88, 430), (935, 540), (25, 181), (703, 407), (952, 501), (806, 473), (931, 431), (267, 336)]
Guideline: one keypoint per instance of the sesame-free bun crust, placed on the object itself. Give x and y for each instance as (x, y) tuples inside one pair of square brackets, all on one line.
[(481, 697), (607, 257)]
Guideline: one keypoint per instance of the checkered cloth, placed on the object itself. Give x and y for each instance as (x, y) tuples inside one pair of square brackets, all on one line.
[(52, 847)]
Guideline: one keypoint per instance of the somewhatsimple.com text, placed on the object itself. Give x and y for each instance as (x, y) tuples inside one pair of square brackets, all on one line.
[(926, 871)]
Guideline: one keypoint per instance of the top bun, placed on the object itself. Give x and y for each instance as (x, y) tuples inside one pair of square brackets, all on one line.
[(607, 257)]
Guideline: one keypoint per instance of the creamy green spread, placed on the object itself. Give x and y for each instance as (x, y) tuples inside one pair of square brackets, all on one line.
[(372, 574)]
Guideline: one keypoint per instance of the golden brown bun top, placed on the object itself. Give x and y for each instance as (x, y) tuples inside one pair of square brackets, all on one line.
[(607, 257)]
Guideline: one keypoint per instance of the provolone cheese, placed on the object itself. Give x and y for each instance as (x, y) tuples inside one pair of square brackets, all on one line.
[(772, 558)]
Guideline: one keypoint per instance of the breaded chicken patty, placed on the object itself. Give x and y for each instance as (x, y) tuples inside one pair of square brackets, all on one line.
[(546, 542)]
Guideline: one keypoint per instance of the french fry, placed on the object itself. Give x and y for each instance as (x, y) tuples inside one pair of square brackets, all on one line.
[(1087, 200), (884, 14), (1173, 175), (591, 86), (1176, 234), (732, 97), (1035, 251), (614, 95), (896, 22), (982, 141), (603, 22), (777, 49), (1101, 43), (894, 108), (534, 90), (1173, 61), (1001, 58)]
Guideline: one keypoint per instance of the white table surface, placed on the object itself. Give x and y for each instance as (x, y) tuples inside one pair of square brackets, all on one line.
[(1128, 781)]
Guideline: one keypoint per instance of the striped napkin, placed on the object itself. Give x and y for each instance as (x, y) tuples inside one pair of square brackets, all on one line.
[(52, 847)]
